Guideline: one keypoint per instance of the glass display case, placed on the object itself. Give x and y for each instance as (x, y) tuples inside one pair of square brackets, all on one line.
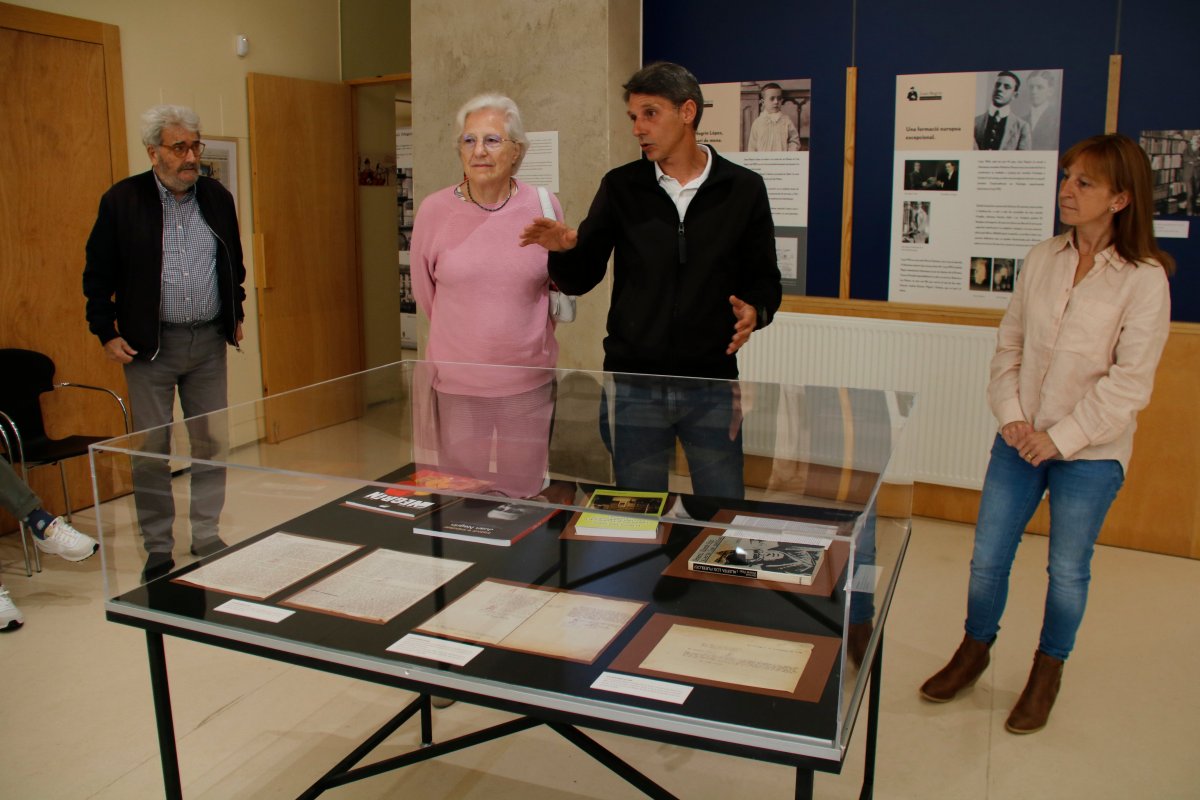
[(691, 561)]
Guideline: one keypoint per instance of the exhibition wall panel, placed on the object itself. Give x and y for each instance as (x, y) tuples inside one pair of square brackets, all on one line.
[(819, 40)]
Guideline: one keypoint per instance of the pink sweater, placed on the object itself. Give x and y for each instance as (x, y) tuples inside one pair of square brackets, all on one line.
[(486, 297)]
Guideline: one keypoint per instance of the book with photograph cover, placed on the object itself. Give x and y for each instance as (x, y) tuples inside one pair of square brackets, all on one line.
[(787, 562), (486, 521), (651, 504), (405, 502)]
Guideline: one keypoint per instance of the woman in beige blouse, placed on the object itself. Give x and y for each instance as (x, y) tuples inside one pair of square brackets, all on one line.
[(1075, 359)]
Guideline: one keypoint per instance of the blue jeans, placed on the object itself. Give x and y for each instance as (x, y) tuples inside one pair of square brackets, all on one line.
[(651, 411), (862, 604), (1080, 495)]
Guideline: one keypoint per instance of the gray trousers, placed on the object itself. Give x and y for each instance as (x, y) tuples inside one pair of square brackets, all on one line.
[(15, 495), (191, 360)]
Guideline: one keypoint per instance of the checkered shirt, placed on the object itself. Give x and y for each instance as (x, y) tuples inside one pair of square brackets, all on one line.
[(189, 270)]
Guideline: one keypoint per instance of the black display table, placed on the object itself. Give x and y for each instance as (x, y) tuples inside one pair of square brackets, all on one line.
[(807, 727)]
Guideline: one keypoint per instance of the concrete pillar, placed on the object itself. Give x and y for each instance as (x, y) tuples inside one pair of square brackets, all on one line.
[(563, 62)]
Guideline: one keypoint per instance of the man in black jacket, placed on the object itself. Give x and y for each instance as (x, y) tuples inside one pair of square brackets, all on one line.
[(694, 275), (163, 281)]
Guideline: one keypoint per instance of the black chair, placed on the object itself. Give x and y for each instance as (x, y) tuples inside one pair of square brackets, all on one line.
[(27, 376)]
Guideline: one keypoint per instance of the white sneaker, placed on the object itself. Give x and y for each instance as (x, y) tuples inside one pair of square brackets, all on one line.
[(63, 540), (10, 616)]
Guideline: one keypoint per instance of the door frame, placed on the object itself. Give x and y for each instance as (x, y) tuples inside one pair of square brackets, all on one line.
[(22, 20)]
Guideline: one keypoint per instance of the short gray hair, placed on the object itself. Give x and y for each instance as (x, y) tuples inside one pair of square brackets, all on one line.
[(513, 127), (159, 117)]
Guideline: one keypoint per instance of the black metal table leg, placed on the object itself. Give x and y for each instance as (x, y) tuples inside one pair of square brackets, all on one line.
[(426, 720), (804, 783), (172, 788), (868, 786), (608, 759)]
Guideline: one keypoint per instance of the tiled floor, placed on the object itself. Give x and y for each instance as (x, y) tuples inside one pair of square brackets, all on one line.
[(76, 719)]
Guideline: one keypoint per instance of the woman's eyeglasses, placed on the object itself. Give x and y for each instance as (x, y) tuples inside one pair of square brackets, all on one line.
[(491, 142)]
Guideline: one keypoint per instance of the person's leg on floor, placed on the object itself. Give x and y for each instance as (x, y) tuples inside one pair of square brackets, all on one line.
[(203, 389)]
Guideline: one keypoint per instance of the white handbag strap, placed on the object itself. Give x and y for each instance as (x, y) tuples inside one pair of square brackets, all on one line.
[(547, 206), (548, 212)]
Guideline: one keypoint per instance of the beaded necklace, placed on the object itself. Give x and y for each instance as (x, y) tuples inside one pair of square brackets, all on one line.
[(511, 186)]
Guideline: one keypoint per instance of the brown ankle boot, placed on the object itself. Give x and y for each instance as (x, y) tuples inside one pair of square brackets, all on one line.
[(966, 665), (1033, 708)]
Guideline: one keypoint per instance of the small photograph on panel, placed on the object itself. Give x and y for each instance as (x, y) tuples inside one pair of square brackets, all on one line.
[(776, 115), (916, 177), (925, 175), (947, 177), (915, 229), (1003, 274), (1175, 164), (979, 276)]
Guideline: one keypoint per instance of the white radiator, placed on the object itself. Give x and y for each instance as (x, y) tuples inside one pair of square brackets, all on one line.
[(948, 440)]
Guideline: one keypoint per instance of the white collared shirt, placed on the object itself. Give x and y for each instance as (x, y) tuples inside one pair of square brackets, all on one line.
[(681, 195)]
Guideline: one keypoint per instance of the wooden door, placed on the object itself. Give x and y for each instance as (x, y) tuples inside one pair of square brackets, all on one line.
[(62, 131), (306, 263)]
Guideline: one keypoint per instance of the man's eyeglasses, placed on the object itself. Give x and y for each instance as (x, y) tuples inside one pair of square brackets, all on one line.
[(180, 149), (491, 142)]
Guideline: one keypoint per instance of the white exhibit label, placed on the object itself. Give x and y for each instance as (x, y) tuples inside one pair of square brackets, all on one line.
[(540, 165), (404, 148), (433, 649), (255, 610), (643, 687), (1171, 228), (782, 530)]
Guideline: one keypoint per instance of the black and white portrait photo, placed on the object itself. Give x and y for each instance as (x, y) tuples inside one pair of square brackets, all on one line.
[(916, 177), (927, 175), (915, 228), (1042, 91), (775, 115), (1018, 109)]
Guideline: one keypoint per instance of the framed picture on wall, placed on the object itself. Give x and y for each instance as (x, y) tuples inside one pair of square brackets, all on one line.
[(220, 162)]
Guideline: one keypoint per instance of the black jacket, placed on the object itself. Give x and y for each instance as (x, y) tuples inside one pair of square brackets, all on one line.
[(670, 311), (122, 278)]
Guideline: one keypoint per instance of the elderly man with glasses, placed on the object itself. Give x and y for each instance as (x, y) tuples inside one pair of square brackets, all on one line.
[(163, 281)]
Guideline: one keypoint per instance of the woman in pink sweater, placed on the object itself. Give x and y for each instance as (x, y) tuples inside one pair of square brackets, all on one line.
[(487, 300)]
